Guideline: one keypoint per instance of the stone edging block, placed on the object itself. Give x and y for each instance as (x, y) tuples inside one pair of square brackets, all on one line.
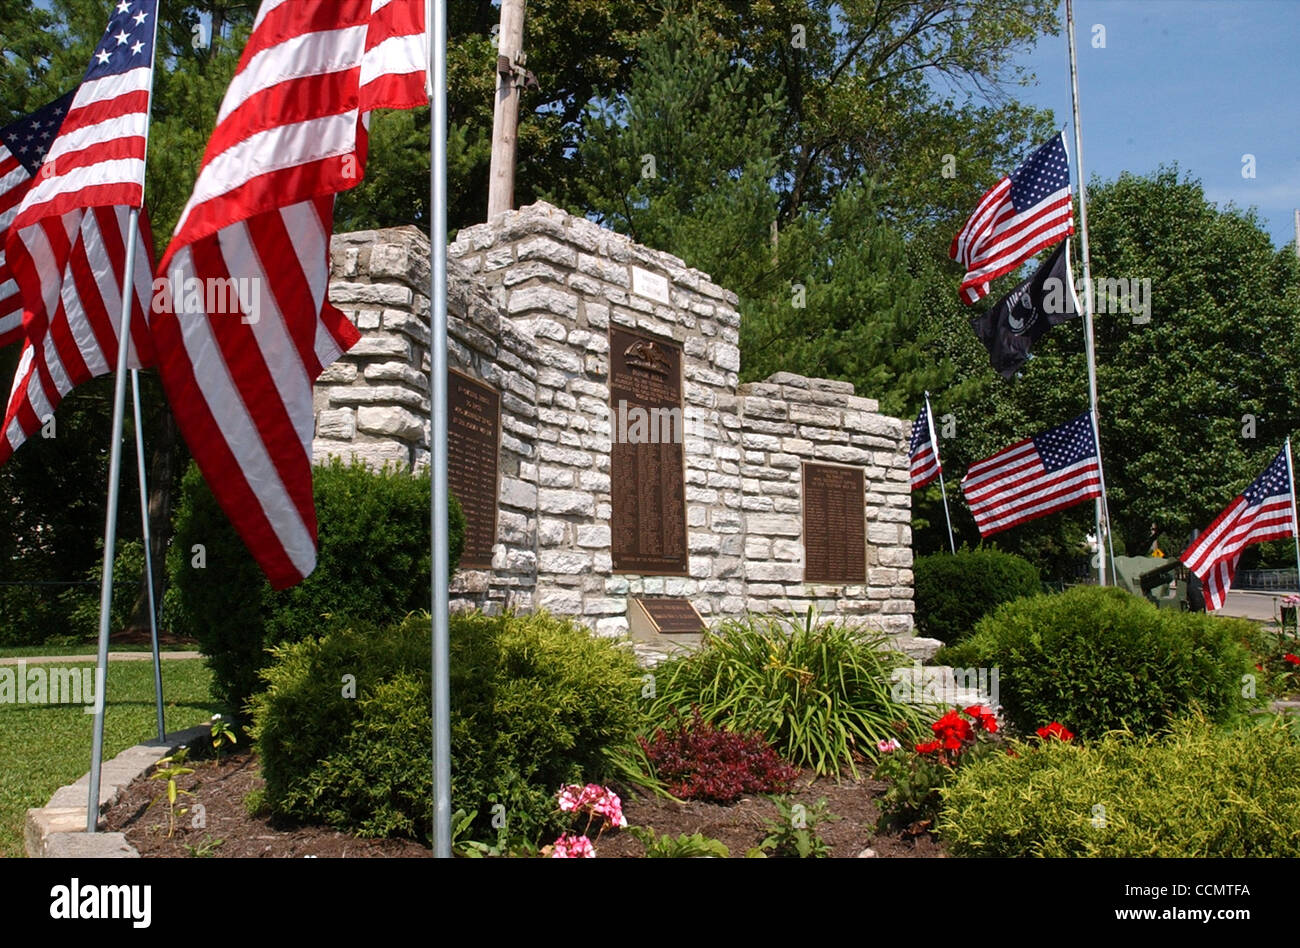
[(58, 829)]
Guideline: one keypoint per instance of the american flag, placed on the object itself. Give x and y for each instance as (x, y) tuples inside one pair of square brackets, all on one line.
[(1020, 215), (23, 144), (247, 328), (67, 244), (1263, 511), (923, 452), (1034, 477)]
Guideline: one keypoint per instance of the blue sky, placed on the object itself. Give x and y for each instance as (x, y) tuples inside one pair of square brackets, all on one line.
[(1200, 82)]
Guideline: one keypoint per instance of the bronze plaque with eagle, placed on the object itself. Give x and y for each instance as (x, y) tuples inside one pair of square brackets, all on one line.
[(647, 473)]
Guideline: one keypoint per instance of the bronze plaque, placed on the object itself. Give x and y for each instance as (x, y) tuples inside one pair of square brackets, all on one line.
[(647, 459), (834, 524), (473, 443), (672, 616)]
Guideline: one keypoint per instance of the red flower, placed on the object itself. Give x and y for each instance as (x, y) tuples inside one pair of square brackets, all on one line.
[(1293, 659), (1056, 730), (983, 717), (951, 725), (929, 748)]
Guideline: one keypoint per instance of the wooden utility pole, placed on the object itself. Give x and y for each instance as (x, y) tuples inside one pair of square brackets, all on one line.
[(1297, 232), (505, 120)]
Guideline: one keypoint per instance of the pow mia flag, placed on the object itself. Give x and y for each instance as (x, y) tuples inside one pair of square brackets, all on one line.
[(1011, 328)]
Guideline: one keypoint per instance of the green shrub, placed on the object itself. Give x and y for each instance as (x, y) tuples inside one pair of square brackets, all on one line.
[(817, 692), (31, 615), (1101, 659), (372, 564), (954, 591), (536, 703), (82, 601), (1199, 791)]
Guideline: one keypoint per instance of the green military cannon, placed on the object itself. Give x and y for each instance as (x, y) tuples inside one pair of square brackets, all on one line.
[(1162, 580)]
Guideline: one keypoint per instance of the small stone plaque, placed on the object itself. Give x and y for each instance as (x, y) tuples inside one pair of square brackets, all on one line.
[(650, 285), (473, 448), (669, 616), (646, 455), (834, 524)]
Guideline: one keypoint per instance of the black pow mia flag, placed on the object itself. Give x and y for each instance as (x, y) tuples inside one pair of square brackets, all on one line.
[(1011, 328)]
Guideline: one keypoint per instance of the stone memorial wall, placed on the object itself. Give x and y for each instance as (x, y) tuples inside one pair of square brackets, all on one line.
[(602, 378)]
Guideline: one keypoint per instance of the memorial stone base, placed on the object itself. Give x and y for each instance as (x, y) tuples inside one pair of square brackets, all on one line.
[(611, 464)]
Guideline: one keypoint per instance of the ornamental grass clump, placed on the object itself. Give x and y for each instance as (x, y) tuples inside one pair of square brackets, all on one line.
[(819, 693)]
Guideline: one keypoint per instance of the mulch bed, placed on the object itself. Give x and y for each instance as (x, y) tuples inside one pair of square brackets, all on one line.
[(221, 786)]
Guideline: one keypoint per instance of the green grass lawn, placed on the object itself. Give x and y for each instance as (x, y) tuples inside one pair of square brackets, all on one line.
[(43, 747), (84, 648)]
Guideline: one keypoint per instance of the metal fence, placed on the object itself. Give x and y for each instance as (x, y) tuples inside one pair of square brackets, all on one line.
[(1267, 580)]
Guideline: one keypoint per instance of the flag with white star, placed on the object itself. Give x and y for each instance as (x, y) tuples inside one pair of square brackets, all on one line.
[(66, 247), (1035, 477), (1027, 211), (23, 144), (1263, 511)]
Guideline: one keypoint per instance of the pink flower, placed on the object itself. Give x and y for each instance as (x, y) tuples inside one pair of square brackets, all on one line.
[(611, 808), (599, 800), (889, 746), (573, 847)]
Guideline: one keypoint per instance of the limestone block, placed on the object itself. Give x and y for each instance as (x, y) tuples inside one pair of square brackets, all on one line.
[(545, 298), (338, 423), (563, 562), (570, 502), (384, 294), (396, 372), (517, 493), (594, 535), (339, 372), (385, 346), (391, 421)]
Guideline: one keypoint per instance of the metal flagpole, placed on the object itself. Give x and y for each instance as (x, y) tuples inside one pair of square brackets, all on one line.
[(148, 553), (436, 18), (934, 442), (115, 474), (1102, 510), (1295, 527)]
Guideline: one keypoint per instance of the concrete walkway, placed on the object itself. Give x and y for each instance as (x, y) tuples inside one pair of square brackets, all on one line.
[(90, 659)]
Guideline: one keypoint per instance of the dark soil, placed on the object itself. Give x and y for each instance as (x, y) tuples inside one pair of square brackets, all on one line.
[(849, 830), (221, 787)]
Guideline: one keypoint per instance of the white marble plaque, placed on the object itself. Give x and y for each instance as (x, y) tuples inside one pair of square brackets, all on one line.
[(650, 285)]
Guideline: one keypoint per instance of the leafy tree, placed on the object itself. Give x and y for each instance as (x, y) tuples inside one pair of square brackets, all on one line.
[(686, 161)]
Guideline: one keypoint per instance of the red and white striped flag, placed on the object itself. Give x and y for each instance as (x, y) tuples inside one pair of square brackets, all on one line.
[(1026, 211), (1263, 511), (1034, 477), (23, 144), (246, 327), (922, 452), (66, 247)]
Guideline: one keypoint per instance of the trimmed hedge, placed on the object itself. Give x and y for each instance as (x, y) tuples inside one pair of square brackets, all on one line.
[(1100, 659), (373, 539), (956, 590), (536, 701), (1198, 792)]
